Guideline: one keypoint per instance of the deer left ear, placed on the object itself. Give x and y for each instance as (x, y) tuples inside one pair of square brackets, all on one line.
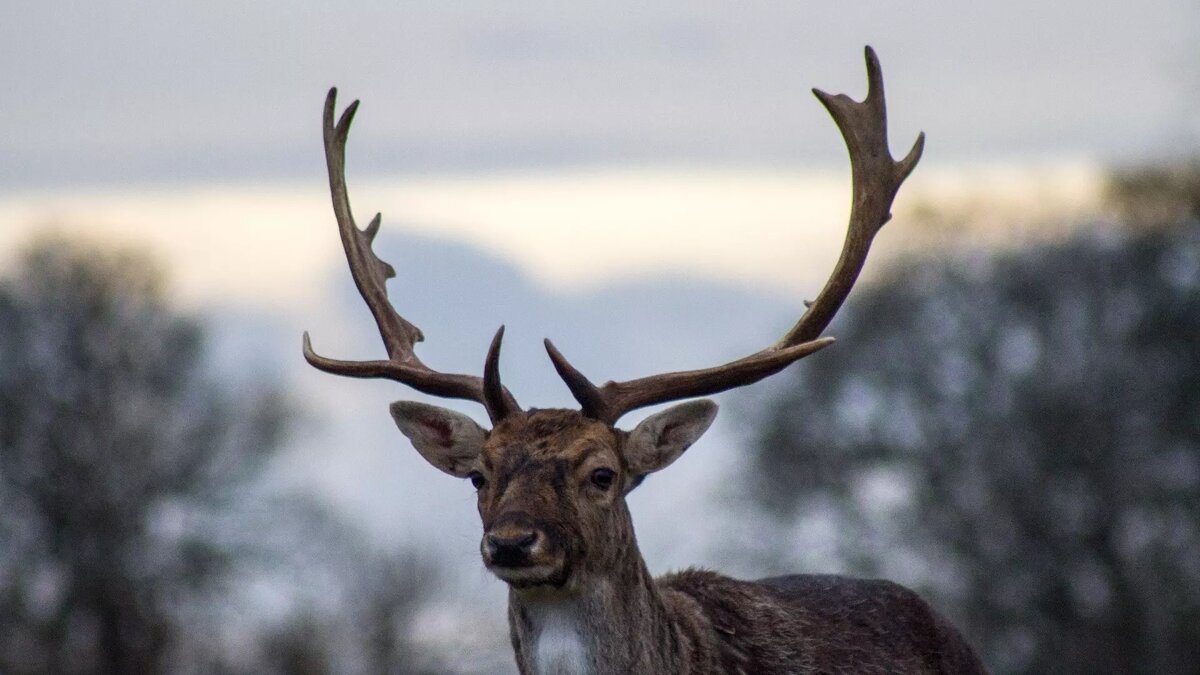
[(661, 438), (449, 440)]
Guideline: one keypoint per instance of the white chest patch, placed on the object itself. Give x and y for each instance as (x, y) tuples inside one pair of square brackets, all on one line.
[(558, 646)]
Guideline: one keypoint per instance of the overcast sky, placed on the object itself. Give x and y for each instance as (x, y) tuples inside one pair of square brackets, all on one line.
[(116, 92)]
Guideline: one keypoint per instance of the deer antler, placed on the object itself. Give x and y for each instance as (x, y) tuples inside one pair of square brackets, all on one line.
[(370, 276), (876, 177)]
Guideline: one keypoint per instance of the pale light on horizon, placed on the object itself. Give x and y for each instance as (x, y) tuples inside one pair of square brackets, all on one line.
[(778, 230)]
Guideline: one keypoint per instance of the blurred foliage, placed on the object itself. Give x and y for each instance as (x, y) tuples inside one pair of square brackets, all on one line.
[(1156, 194), (359, 619), (1019, 437), (132, 513)]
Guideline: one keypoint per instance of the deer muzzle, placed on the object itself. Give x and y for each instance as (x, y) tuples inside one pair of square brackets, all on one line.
[(515, 549)]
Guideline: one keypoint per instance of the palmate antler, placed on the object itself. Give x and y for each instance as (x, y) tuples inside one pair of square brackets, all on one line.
[(370, 276), (876, 177)]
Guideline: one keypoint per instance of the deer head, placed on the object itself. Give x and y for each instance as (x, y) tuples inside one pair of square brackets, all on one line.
[(552, 483)]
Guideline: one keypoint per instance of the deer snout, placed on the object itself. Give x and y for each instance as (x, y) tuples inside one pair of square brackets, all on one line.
[(510, 546)]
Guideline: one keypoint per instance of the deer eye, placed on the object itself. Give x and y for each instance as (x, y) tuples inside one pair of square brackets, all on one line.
[(477, 480), (603, 478)]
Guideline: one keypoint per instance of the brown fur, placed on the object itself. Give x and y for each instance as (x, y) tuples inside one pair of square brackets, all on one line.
[(537, 467)]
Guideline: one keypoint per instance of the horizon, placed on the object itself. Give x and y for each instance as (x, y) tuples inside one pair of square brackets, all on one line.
[(567, 232)]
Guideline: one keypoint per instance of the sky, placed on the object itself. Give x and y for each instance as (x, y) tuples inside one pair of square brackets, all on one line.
[(584, 141), (123, 91)]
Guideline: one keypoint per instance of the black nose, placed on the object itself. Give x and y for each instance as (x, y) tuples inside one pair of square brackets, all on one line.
[(511, 548)]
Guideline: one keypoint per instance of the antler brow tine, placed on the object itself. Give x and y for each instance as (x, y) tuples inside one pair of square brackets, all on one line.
[(370, 275), (875, 179)]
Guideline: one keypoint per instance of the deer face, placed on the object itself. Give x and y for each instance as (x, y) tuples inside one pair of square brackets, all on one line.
[(551, 484)]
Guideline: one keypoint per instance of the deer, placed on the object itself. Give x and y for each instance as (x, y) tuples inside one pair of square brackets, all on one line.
[(551, 484)]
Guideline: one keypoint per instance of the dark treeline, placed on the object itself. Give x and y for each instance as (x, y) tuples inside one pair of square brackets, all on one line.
[(1018, 435), (132, 515)]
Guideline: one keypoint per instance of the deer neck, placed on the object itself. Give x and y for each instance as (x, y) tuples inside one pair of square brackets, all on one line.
[(598, 624)]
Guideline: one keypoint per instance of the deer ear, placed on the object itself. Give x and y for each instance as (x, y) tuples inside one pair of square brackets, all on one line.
[(661, 438), (449, 440)]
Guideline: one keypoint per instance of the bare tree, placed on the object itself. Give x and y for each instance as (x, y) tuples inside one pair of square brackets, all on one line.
[(114, 446), (130, 516), (1020, 436)]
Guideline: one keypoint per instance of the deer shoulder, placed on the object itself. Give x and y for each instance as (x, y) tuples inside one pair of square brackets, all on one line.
[(819, 623)]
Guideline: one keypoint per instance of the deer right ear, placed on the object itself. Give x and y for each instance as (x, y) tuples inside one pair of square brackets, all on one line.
[(449, 440), (661, 438)]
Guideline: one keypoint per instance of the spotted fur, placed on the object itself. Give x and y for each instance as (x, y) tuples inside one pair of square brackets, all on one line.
[(583, 602)]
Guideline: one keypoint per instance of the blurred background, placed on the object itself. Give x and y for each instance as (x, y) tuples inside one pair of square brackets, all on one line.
[(1010, 421)]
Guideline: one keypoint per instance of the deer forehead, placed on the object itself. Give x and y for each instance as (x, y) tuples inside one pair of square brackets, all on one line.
[(542, 435)]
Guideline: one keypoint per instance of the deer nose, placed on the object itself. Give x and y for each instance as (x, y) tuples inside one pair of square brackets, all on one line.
[(511, 548)]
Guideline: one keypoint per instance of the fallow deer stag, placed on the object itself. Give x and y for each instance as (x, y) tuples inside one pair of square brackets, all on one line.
[(552, 483)]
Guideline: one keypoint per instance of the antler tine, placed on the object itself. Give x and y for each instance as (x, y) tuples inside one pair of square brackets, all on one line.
[(370, 275), (609, 402), (876, 178), (496, 399)]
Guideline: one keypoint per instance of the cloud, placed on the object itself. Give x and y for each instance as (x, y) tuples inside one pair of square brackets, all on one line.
[(123, 91)]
